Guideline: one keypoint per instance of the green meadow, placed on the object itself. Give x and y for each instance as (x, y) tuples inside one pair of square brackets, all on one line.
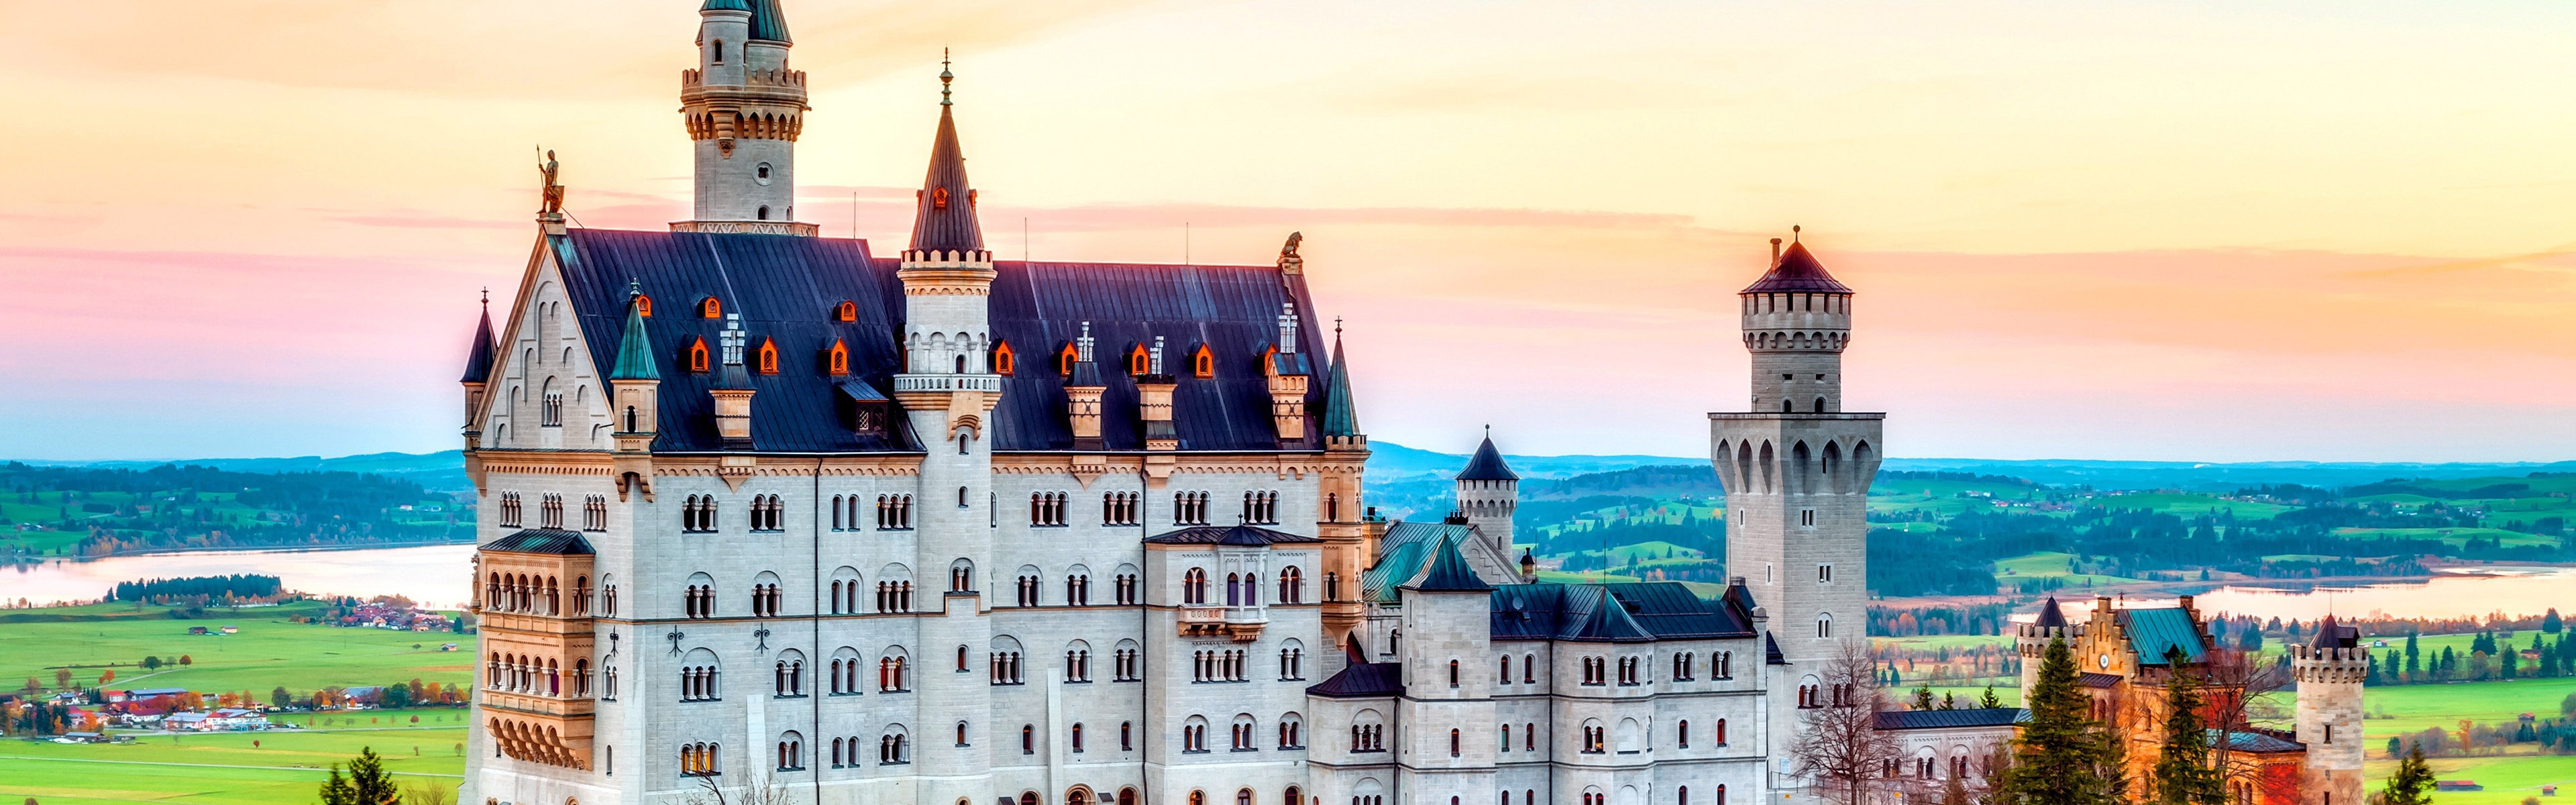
[(268, 652), (285, 766)]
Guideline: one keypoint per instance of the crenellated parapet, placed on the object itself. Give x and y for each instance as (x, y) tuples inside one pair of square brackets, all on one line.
[(2330, 665)]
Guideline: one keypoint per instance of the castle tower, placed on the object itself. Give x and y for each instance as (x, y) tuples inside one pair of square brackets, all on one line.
[(1488, 492), (1447, 711), (744, 109), (2330, 671), (1797, 468), (948, 389), (1347, 529), (478, 374), (2031, 640), (635, 391)]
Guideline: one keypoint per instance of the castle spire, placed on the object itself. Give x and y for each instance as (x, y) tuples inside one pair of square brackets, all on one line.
[(1341, 418), (478, 358), (945, 216), (635, 348)]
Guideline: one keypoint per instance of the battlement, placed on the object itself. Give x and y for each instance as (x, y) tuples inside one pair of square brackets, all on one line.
[(693, 78), (2330, 665)]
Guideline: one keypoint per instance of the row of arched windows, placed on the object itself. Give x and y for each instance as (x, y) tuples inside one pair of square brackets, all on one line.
[(518, 673), (1804, 469)]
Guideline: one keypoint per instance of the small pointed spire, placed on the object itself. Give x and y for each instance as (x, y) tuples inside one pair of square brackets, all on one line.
[(944, 218), (1341, 416), (944, 77), (635, 347), (478, 358)]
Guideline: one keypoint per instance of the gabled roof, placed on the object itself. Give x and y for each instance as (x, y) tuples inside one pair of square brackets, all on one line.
[(2155, 632), (2242, 740), (1950, 719), (2049, 615), (1229, 535), (478, 359), (2093, 680), (1487, 465), (553, 541), (1797, 272), (1448, 573), (1771, 651), (786, 287), (1363, 680)]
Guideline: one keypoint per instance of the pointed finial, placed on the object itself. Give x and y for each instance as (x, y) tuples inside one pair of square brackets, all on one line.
[(1337, 328), (487, 297), (634, 288), (1793, 232), (944, 77)]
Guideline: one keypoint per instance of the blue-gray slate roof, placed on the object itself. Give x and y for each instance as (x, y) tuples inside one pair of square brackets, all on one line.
[(478, 359), (1487, 465), (1951, 719), (2156, 632), (1246, 535), (1449, 573), (1363, 680), (786, 289), (1618, 613), (769, 22), (543, 540)]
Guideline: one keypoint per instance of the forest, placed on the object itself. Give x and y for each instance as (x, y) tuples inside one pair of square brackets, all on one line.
[(89, 512)]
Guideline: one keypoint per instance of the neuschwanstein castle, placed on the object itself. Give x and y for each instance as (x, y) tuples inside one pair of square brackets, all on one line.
[(785, 518)]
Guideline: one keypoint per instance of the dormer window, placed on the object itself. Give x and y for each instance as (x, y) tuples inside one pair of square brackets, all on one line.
[(1270, 362), (1138, 362), (939, 198), (1203, 363), (1004, 361), (644, 305), (837, 359), (768, 357), (696, 357), (1064, 360), (848, 311), (709, 308)]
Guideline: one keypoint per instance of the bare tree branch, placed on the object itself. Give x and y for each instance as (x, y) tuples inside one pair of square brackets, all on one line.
[(1839, 745)]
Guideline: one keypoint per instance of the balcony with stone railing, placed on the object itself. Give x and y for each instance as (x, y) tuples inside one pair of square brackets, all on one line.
[(991, 384)]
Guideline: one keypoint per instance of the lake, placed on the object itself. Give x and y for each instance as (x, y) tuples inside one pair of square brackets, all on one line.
[(433, 575)]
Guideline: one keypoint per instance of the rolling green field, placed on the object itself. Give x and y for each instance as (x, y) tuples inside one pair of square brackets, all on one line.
[(2049, 566), (267, 653), (2412, 708), (224, 768)]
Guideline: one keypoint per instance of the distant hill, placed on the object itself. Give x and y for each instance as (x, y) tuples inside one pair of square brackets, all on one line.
[(436, 472), (1391, 461)]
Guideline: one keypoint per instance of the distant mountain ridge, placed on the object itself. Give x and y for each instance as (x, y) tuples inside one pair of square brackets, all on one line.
[(1392, 462)]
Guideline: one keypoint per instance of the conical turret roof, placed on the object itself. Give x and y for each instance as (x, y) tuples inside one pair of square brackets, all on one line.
[(478, 360), (945, 215), (769, 22), (634, 348), (2049, 617), (1487, 465), (1797, 272), (1341, 417)]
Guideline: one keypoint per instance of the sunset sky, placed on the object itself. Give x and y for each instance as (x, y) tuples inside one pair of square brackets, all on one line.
[(2186, 231)]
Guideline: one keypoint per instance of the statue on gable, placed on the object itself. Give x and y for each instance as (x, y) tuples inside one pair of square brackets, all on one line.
[(554, 192)]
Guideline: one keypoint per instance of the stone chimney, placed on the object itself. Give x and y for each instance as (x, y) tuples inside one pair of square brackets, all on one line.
[(1289, 376), (733, 391), (1082, 390), (1154, 402)]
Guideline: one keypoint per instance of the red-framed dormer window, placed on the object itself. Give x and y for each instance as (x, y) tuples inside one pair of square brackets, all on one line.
[(1004, 360), (1138, 363), (768, 357), (710, 309), (1064, 360), (644, 305), (837, 359), (848, 311), (1203, 363), (696, 357)]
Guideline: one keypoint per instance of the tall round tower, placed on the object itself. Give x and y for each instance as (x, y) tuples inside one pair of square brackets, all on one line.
[(1796, 321), (2330, 671), (744, 108), (1488, 493), (2031, 640)]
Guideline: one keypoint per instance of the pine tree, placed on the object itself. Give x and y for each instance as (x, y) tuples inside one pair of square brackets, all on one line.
[(2183, 773), (336, 791), (2059, 755), (2414, 668), (2550, 622), (1949, 703), (369, 783), (1990, 700), (1923, 697), (2412, 782)]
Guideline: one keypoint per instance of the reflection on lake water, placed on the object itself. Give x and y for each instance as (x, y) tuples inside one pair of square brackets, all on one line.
[(433, 576), (2467, 592)]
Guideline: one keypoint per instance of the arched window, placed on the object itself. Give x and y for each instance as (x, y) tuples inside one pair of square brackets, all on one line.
[(719, 51), (768, 357), (697, 353), (644, 305), (1065, 359), (1453, 673), (1454, 743), (1825, 625), (1203, 363), (1194, 586), (710, 308), (838, 358), (1005, 362), (847, 311), (1138, 363)]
